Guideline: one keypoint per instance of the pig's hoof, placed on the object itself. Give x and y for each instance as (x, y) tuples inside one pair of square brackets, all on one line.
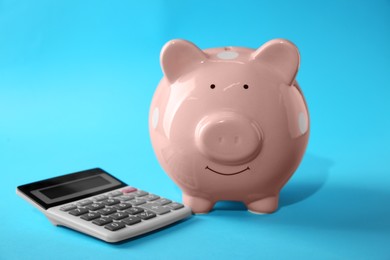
[(263, 206), (197, 204)]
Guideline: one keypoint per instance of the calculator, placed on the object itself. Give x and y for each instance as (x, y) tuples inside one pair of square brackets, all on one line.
[(98, 204)]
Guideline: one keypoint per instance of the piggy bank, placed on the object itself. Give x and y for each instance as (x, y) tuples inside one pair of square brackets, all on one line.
[(229, 123)]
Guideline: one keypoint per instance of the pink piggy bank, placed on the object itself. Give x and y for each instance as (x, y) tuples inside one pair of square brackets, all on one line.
[(229, 123)]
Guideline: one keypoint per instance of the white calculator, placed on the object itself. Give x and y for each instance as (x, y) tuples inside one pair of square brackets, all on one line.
[(98, 204)]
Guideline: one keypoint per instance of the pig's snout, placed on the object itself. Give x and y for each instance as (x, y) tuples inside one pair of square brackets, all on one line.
[(228, 138)]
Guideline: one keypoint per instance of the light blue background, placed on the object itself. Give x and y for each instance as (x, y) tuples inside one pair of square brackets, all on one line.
[(76, 81)]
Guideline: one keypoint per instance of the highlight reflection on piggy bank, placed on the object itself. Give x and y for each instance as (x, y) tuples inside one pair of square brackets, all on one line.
[(229, 123)]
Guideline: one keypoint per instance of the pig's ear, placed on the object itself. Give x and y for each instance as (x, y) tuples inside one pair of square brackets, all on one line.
[(178, 57), (282, 56)]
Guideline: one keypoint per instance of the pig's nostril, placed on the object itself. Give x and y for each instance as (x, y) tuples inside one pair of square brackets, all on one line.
[(236, 139), (220, 140)]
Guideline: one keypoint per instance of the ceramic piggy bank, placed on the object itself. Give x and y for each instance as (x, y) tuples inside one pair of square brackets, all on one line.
[(229, 123)]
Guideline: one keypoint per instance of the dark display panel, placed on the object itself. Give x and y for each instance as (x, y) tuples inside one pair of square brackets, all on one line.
[(74, 187), (70, 187)]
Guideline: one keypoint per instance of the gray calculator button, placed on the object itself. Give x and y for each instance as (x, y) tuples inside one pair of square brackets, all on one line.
[(106, 211), (110, 202), (126, 197), (90, 216), (122, 206), (160, 210), (119, 215), (137, 201), (146, 215), (78, 212), (115, 193), (162, 201), (115, 226), (84, 202), (95, 206), (151, 197), (134, 210), (100, 197), (140, 193), (68, 207), (131, 220), (174, 206), (102, 221)]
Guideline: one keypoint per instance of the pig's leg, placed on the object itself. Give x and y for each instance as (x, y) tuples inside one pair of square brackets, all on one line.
[(197, 204), (264, 205)]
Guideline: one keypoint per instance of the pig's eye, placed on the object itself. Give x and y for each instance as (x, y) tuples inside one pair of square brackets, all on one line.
[(212, 86), (246, 86)]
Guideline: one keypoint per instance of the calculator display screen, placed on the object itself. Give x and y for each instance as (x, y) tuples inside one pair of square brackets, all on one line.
[(67, 188), (74, 187)]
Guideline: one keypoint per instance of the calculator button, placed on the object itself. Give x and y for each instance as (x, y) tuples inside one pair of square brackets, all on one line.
[(68, 207), (95, 206), (131, 220), (134, 210), (100, 197), (84, 202), (119, 215), (146, 215), (78, 212), (115, 193), (102, 221), (140, 193), (106, 211), (90, 216), (151, 197), (128, 189), (126, 197), (123, 206), (162, 201), (137, 201), (174, 206), (160, 210), (110, 202), (115, 226)]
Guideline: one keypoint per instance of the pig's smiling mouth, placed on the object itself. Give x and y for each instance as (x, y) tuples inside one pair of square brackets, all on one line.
[(227, 174)]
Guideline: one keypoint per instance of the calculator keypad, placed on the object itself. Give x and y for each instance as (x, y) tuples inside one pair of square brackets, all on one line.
[(68, 207), (78, 211), (134, 210), (102, 221), (84, 202), (162, 201), (131, 220), (122, 206), (115, 226), (146, 215), (90, 216), (107, 211), (151, 197), (160, 210), (111, 202), (138, 201), (119, 215), (95, 206), (118, 209), (100, 197)]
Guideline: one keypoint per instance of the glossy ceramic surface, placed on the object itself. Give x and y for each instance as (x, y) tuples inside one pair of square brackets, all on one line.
[(229, 123)]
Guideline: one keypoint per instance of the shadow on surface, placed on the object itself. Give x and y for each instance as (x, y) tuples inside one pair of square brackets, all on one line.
[(308, 180), (161, 233), (308, 202), (229, 205)]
